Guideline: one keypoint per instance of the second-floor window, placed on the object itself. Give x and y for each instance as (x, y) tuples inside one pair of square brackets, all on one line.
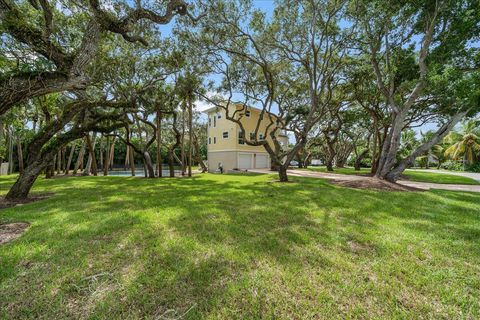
[(225, 135), (209, 140), (214, 140), (260, 137), (219, 115), (252, 136), (241, 139), (214, 121), (209, 122), (247, 113)]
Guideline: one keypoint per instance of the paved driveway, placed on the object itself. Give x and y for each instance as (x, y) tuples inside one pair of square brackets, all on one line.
[(345, 177)]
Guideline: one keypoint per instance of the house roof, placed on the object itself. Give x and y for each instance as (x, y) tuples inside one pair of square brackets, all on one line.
[(238, 104)]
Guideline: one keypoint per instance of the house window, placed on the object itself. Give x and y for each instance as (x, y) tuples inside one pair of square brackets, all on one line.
[(219, 115), (209, 140), (209, 122), (241, 140), (214, 140), (214, 121), (247, 113), (252, 136), (260, 137), (225, 135)]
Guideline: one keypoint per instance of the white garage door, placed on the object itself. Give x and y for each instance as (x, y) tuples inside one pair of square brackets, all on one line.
[(244, 161), (262, 161)]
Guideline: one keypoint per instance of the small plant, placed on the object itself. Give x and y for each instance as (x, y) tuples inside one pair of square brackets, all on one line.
[(452, 165)]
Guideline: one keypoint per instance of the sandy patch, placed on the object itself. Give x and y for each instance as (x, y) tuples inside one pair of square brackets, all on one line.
[(11, 231), (374, 184)]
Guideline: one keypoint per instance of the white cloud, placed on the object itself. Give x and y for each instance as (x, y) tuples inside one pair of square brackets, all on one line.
[(202, 105)]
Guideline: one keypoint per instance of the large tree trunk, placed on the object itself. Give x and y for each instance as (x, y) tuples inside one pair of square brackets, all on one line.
[(198, 156), (376, 138), (59, 161), (41, 155), (149, 164), (145, 172), (10, 152), (112, 154), (64, 158), (190, 135), (2, 127), (92, 161), (182, 150), (282, 173), (159, 143), (20, 156), (170, 163), (306, 161), (127, 158), (50, 169), (81, 155), (390, 146), (109, 155), (358, 160), (102, 160), (18, 89), (330, 156), (395, 173), (399, 111), (273, 165), (21, 188), (176, 158), (300, 161), (70, 157), (106, 161), (340, 163), (199, 159), (329, 163), (131, 160)]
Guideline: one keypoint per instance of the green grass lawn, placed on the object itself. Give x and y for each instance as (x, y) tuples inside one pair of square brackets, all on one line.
[(239, 247), (436, 177), (413, 175)]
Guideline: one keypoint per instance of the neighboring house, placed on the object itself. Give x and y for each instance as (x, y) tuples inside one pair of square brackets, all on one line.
[(226, 145)]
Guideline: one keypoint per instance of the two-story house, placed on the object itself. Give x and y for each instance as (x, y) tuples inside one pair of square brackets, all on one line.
[(226, 144)]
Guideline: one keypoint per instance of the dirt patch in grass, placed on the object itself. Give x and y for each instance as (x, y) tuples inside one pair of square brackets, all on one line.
[(358, 247), (374, 184), (11, 231), (4, 204)]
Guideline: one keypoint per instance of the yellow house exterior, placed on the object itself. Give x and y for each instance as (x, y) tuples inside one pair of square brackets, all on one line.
[(226, 146)]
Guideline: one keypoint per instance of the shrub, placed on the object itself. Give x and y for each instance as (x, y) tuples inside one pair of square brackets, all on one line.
[(452, 165), (474, 167)]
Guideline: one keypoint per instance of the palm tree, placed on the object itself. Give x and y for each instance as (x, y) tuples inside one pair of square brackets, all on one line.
[(408, 142), (438, 152), (466, 143), (425, 158)]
